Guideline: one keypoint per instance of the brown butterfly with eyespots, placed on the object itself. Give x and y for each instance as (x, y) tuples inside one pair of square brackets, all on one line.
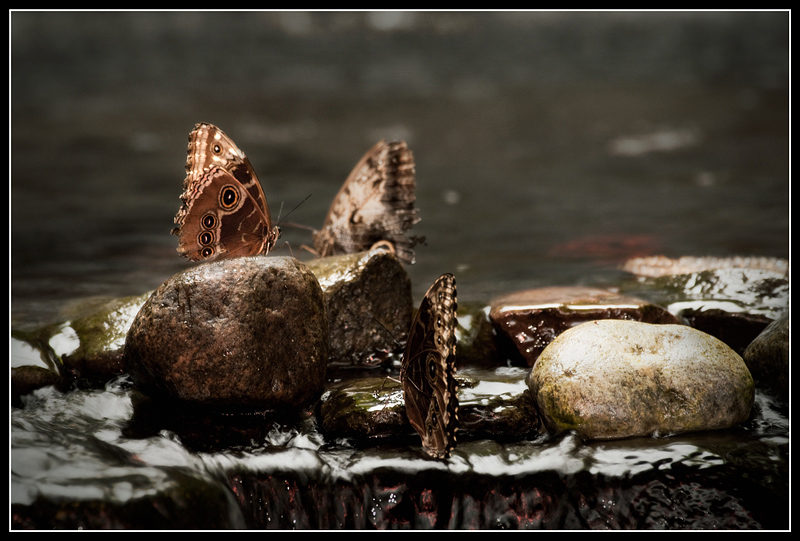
[(428, 369), (375, 205), (224, 211)]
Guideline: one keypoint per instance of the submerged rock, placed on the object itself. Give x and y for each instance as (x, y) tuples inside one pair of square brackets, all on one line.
[(478, 343), (615, 379), (83, 349), (660, 265), (493, 403), (732, 299), (737, 329), (33, 365), (369, 305), (362, 410), (92, 342), (247, 333), (531, 319), (767, 356)]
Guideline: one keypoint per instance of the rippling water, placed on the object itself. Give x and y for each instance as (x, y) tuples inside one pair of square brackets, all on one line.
[(549, 146), (75, 446)]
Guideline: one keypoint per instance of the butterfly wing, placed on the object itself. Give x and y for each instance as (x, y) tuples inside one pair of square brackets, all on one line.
[(376, 203), (224, 211), (428, 369)]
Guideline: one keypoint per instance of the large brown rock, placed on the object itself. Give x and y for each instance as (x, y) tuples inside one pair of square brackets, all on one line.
[(615, 379), (245, 333)]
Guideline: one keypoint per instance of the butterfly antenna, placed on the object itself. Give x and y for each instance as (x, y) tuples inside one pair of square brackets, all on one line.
[(390, 333), (291, 211)]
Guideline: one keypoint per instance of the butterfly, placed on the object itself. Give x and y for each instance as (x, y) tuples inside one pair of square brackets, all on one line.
[(427, 373), (374, 206), (224, 211)]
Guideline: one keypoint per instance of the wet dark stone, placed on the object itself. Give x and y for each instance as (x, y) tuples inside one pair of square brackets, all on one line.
[(369, 305), (728, 290), (531, 319), (767, 356), (206, 429), (366, 410), (655, 266), (26, 379), (500, 418), (34, 365), (363, 410), (683, 498), (245, 333), (737, 329), (184, 501), (478, 343), (83, 350)]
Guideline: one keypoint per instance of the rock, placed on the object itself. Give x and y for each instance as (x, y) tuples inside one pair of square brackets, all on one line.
[(737, 329), (245, 333), (493, 403), (369, 305), (615, 379), (362, 410), (531, 319), (767, 356), (33, 365), (496, 404), (182, 500), (92, 342), (733, 299), (84, 351), (478, 343), (660, 265)]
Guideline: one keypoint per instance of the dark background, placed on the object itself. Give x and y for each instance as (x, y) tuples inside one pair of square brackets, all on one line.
[(549, 146)]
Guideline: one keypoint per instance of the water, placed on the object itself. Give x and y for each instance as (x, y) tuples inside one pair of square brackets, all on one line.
[(549, 146), (79, 446)]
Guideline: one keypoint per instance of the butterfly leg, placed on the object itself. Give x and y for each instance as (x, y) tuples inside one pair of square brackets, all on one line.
[(309, 249)]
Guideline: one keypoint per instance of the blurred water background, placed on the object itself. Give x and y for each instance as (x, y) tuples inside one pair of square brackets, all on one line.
[(549, 145)]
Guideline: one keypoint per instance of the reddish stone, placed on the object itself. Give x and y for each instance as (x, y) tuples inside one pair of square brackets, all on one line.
[(531, 319)]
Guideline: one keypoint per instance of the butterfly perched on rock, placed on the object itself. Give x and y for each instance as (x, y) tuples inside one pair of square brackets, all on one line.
[(224, 211), (428, 369), (375, 205)]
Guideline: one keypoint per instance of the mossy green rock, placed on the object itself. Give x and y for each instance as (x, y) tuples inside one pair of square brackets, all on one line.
[(614, 379)]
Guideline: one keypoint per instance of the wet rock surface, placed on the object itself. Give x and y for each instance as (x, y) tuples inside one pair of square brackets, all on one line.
[(531, 319), (369, 305), (656, 266), (244, 333), (34, 364), (767, 356), (617, 379), (98, 333), (493, 403), (352, 460), (732, 299), (512, 496)]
